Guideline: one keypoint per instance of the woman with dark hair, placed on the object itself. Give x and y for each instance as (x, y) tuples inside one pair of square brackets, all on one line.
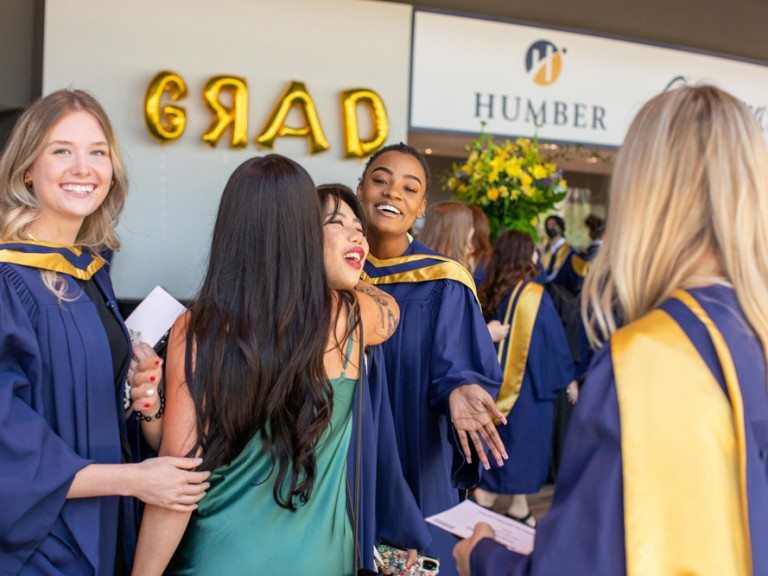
[(441, 370), (536, 363), (261, 378), (69, 376), (387, 511)]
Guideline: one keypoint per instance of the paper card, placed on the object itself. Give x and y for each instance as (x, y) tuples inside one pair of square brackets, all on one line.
[(153, 317), (460, 521)]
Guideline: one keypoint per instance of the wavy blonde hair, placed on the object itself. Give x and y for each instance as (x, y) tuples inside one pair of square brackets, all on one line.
[(19, 206), (688, 200), (446, 230)]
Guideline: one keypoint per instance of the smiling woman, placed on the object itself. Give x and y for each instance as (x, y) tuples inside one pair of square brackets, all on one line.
[(69, 377), (441, 368), (71, 177)]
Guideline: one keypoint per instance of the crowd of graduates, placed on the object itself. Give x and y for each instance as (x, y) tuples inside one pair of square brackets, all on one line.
[(337, 380)]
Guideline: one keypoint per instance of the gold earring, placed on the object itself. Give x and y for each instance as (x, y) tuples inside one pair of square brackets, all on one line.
[(28, 183)]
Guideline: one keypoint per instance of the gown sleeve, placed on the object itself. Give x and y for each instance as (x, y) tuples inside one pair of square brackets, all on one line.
[(462, 353), (36, 465), (462, 350), (583, 533)]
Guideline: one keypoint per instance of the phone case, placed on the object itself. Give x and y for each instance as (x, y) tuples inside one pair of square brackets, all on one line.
[(395, 563)]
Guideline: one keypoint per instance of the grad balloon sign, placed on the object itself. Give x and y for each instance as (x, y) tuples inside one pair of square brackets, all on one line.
[(167, 121)]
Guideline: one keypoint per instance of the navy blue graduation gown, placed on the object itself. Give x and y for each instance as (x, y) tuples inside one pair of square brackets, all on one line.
[(388, 511), (584, 531), (59, 412), (442, 343), (528, 433)]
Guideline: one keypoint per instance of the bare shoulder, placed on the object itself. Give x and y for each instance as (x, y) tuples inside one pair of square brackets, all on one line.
[(379, 311)]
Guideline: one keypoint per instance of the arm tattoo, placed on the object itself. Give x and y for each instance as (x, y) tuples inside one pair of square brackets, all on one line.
[(387, 318)]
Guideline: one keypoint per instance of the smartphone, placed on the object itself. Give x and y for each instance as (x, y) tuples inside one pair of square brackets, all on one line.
[(394, 562)]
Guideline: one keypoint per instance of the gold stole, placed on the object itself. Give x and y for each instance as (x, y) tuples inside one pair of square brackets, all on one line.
[(685, 494), (446, 269), (518, 342), (52, 261), (580, 265), (559, 256)]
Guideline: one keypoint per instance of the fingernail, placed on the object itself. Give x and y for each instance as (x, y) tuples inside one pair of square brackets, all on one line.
[(157, 362), (487, 466), (152, 378), (147, 405), (505, 455), (469, 460), (504, 420), (500, 463)]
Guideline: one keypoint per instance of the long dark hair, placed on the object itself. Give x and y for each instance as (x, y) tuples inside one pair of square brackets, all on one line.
[(258, 327), (510, 263)]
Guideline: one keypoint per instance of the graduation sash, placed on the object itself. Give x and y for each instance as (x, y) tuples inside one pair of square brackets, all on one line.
[(580, 265), (683, 451), (416, 268), (69, 260), (517, 343), (559, 258)]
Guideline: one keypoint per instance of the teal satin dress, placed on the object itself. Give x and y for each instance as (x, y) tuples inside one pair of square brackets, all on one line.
[(240, 530)]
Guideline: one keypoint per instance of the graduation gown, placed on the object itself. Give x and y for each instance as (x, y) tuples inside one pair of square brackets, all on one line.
[(387, 508), (59, 412), (698, 508), (442, 343), (536, 363)]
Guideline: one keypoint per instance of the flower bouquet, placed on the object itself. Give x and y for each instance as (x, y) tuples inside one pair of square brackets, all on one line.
[(511, 182)]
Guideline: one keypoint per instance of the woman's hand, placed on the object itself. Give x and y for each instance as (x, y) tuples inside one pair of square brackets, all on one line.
[(498, 330), (171, 483), (572, 391), (472, 411), (463, 550), (144, 376)]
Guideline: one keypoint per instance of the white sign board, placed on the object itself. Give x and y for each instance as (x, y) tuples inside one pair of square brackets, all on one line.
[(114, 49), (568, 87)]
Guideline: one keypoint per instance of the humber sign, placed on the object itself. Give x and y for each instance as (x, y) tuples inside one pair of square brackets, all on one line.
[(521, 80)]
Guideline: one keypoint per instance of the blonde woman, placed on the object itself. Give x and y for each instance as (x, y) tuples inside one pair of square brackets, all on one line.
[(448, 229), (666, 469), (65, 355)]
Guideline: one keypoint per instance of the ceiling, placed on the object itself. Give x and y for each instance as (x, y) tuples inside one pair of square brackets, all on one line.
[(734, 28)]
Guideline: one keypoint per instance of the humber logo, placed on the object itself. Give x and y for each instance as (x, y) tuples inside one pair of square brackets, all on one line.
[(544, 61)]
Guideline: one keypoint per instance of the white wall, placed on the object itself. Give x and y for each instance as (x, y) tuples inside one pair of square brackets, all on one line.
[(113, 49)]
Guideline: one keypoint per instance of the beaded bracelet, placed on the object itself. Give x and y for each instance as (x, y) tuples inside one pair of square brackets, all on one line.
[(159, 414)]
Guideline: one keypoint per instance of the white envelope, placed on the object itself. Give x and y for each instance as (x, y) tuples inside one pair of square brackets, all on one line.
[(154, 316)]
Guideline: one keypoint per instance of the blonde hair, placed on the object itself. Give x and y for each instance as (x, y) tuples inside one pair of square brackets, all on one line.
[(688, 197), (18, 205), (446, 230)]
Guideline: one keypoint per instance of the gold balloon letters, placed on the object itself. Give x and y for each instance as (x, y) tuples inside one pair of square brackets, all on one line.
[(295, 95), (167, 122), (237, 115), (355, 147)]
